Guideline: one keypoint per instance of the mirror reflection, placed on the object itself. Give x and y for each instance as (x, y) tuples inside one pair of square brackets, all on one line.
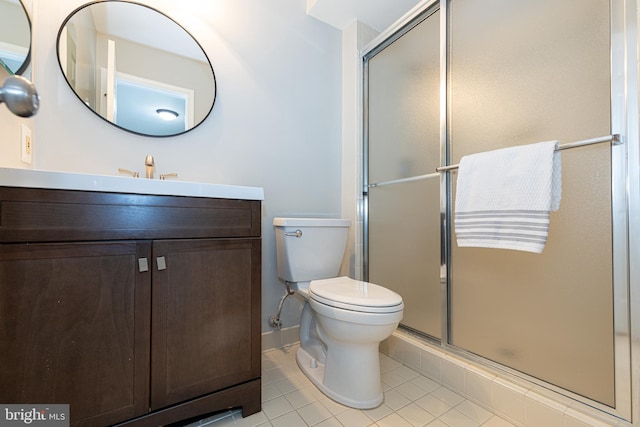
[(136, 68), (15, 35)]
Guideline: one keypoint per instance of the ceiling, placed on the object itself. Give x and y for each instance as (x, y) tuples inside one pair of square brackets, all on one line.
[(378, 14)]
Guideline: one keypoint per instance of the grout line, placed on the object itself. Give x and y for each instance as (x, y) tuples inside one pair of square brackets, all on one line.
[(408, 397)]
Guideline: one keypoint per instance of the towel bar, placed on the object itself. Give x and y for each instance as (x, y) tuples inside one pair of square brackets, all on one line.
[(401, 180), (614, 139)]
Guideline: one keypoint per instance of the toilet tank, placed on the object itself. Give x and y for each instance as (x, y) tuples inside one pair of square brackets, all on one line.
[(310, 248)]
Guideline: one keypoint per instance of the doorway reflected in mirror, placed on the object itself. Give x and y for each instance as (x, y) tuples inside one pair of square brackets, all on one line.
[(125, 61)]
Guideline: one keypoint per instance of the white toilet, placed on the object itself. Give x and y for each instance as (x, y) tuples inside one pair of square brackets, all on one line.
[(343, 320)]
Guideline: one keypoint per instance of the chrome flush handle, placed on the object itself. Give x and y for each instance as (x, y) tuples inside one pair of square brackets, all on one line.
[(298, 234)]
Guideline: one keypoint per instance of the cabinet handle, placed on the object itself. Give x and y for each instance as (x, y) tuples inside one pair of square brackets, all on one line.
[(162, 264), (143, 265)]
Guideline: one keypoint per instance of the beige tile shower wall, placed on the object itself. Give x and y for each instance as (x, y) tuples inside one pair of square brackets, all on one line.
[(520, 402)]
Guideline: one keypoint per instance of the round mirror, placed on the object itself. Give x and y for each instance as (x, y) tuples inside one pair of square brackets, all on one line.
[(15, 36), (136, 68)]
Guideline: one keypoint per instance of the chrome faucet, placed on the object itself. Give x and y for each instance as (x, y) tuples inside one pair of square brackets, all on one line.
[(150, 166)]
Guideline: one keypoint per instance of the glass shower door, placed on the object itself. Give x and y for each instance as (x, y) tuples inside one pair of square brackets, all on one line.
[(520, 73), (403, 146), (515, 73)]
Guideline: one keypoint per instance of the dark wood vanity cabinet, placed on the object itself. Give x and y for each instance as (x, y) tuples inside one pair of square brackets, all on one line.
[(74, 328), (133, 309), (202, 337)]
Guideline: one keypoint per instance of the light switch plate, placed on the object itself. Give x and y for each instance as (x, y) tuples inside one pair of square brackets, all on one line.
[(26, 144)]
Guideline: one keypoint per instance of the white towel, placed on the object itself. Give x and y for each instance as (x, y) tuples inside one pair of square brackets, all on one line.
[(503, 197)]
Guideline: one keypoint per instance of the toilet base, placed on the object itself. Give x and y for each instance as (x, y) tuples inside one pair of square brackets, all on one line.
[(314, 370)]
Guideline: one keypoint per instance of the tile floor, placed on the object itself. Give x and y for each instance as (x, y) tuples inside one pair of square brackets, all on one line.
[(411, 399)]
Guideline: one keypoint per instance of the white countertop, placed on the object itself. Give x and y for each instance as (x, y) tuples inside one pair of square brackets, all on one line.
[(33, 178)]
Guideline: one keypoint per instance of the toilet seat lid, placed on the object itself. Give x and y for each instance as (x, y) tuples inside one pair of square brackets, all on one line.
[(347, 293)]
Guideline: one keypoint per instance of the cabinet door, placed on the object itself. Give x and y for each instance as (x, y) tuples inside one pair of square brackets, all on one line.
[(205, 317), (74, 328)]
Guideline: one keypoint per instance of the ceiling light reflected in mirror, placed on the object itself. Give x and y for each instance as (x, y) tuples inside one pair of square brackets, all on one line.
[(168, 115)]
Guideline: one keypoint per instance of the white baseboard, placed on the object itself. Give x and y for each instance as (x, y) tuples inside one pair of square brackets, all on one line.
[(280, 338)]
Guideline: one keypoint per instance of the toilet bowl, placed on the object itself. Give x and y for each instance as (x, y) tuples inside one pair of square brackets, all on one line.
[(343, 320), (352, 332)]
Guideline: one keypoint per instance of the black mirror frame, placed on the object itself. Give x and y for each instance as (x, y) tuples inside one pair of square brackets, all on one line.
[(215, 87)]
